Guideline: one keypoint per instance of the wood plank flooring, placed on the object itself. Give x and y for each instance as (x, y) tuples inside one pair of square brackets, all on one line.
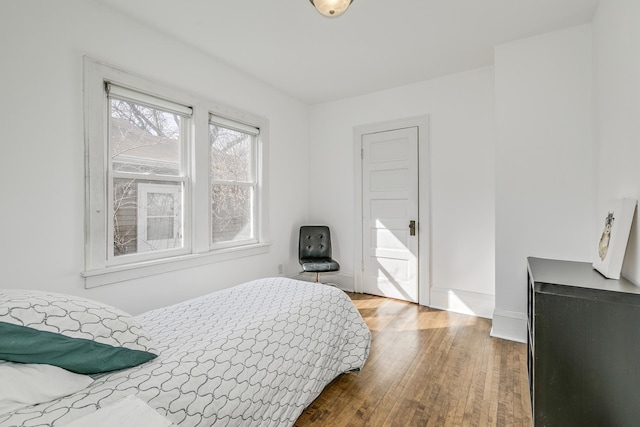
[(427, 367)]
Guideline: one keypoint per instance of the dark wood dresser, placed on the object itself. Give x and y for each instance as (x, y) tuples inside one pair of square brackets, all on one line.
[(584, 346)]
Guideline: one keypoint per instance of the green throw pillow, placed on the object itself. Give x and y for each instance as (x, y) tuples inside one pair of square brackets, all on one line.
[(71, 332)]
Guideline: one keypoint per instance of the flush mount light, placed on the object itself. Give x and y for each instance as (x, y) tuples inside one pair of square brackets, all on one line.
[(331, 8)]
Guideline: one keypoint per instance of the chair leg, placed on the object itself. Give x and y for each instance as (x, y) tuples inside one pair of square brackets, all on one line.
[(317, 277)]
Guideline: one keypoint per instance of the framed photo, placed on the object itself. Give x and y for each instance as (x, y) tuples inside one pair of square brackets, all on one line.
[(612, 242)]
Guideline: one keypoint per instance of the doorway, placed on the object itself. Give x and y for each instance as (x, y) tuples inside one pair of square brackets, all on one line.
[(392, 210)]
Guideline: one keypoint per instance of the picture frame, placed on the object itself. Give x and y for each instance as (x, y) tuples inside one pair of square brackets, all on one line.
[(612, 241)]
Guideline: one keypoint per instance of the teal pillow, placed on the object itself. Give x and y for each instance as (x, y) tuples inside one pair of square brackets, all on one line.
[(71, 332)]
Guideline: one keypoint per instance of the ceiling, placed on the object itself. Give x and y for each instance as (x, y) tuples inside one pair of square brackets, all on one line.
[(375, 45)]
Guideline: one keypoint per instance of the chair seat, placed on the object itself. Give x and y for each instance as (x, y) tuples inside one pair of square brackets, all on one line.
[(315, 265)]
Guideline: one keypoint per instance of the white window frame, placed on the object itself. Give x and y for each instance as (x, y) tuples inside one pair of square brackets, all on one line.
[(254, 132), (99, 269), (182, 178)]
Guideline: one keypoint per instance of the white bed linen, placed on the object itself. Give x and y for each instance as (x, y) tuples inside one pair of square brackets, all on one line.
[(24, 384), (127, 412), (253, 355)]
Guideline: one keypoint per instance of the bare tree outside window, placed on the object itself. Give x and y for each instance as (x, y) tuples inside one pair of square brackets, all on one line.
[(233, 181), (145, 144)]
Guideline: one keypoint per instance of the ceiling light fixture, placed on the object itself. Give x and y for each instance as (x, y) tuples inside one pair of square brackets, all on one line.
[(331, 8)]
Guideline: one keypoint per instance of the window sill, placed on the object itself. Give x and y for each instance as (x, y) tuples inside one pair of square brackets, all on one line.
[(121, 273)]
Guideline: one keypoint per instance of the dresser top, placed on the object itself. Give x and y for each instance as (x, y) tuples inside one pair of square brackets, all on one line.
[(576, 274)]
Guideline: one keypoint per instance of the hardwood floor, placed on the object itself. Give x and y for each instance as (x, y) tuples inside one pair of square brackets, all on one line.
[(427, 367)]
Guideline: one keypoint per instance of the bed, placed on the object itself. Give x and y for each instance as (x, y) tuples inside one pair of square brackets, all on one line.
[(256, 354)]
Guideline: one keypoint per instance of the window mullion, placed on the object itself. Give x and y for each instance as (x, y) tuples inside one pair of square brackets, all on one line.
[(147, 177), (238, 183), (201, 187)]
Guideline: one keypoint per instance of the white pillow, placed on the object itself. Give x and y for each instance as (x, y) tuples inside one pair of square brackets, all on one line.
[(30, 384)]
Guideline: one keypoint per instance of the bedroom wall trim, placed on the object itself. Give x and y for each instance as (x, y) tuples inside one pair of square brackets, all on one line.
[(509, 325), (126, 272), (465, 302)]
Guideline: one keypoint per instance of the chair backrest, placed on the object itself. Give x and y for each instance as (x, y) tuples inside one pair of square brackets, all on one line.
[(315, 242)]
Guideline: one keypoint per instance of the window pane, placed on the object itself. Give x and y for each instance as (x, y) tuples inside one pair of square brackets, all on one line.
[(231, 213), (159, 228), (231, 156), (160, 204), (144, 139), (147, 216), (160, 214)]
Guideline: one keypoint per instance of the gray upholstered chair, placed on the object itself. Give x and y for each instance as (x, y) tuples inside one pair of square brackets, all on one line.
[(314, 250)]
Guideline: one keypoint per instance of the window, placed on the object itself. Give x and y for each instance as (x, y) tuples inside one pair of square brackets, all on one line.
[(147, 175), (172, 180), (233, 182)]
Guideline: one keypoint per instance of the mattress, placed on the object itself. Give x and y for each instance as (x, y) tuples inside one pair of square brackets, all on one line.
[(256, 354)]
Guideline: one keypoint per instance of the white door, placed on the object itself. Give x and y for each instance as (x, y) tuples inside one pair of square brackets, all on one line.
[(390, 213)]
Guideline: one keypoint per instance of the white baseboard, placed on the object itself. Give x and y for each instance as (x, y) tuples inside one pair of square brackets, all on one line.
[(465, 302), (509, 325)]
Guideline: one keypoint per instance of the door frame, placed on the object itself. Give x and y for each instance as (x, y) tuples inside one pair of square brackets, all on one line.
[(424, 197)]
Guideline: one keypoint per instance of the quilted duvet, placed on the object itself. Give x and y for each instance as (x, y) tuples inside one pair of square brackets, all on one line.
[(253, 355)]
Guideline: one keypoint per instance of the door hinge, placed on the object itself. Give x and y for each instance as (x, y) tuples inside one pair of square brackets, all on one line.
[(362, 153)]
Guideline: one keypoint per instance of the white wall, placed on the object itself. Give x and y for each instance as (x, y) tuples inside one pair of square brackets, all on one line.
[(460, 110), (527, 188), (544, 162), (616, 40), (42, 44)]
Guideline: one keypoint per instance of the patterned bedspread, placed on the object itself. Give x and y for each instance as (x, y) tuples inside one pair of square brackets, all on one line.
[(253, 355)]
